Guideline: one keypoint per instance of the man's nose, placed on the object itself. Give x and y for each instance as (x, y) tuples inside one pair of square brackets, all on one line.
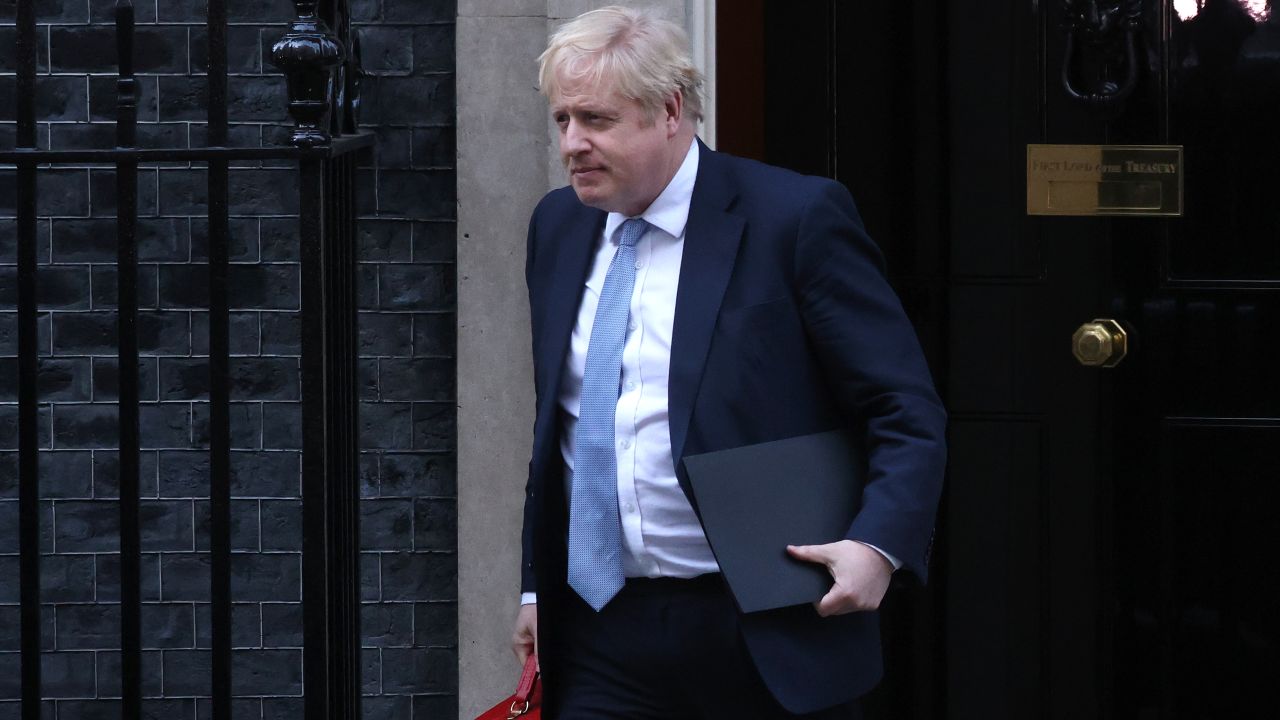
[(574, 140)]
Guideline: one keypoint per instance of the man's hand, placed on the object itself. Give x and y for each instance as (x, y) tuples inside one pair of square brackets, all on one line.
[(861, 575), (525, 640)]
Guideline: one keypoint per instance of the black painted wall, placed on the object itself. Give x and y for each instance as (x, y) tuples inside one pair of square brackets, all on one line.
[(407, 367)]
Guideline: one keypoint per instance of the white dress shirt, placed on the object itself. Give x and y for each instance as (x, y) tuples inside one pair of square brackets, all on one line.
[(661, 535)]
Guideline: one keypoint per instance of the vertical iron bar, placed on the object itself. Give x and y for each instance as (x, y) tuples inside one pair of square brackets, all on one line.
[(217, 31), (341, 670), (219, 370), (330, 489), (340, 419), (331, 492), (127, 311), (28, 371), (351, 442), (338, 665), (337, 238), (26, 46), (315, 517), (335, 517), (350, 491)]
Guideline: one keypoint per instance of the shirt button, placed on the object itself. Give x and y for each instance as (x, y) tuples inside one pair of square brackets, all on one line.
[(631, 385), (629, 508), (639, 264), (625, 444), (633, 325)]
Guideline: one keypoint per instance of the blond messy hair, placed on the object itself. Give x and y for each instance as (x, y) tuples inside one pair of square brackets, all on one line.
[(636, 52)]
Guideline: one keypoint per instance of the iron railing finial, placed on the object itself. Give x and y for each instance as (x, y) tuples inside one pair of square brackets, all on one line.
[(308, 54)]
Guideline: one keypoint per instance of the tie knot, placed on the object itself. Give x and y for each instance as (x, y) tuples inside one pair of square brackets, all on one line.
[(631, 231)]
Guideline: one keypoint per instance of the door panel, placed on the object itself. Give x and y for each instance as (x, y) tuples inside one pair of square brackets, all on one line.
[(1224, 66), (1195, 610), (993, 111), (995, 333), (999, 569)]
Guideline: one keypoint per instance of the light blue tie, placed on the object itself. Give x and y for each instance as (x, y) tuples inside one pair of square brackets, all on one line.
[(595, 531)]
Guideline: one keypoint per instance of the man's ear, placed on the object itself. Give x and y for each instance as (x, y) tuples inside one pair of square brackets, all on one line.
[(673, 113)]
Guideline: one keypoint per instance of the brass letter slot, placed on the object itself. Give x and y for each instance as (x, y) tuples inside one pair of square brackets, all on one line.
[(1104, 180)]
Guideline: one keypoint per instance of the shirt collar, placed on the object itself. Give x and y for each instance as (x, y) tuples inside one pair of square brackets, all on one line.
[(669, 212)]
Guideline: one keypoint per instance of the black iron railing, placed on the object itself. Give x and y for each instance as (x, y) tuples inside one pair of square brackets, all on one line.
[(323, 101)]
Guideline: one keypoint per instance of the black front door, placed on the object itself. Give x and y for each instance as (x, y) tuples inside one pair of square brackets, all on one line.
[(1110, 530)]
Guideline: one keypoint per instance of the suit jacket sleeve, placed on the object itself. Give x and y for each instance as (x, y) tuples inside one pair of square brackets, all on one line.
[(869, 352), (527, 584)]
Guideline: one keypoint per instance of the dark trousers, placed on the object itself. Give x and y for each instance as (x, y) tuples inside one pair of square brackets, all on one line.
[(665, 649)]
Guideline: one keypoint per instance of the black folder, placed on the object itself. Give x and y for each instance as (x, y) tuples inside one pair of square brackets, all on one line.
[(757, 499)]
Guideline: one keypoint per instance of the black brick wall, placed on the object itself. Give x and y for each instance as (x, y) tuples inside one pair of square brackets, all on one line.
[(407, 299)]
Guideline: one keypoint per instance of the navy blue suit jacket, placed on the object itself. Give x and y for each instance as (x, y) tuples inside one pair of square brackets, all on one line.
[(784, 325)]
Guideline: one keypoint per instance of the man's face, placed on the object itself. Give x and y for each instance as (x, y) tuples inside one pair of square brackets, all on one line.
[(619, 156)]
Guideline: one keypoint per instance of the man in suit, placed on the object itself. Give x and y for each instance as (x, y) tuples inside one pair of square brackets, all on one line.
[(684, 301)]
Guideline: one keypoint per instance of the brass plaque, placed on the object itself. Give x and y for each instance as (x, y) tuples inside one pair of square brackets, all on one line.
[(1104, 180)]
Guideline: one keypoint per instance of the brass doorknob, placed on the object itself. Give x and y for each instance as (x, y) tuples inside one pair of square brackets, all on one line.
[(1101, 343)]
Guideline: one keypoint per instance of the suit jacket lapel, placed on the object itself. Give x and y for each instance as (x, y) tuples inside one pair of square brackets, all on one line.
[(573, 261), (712, 236)]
